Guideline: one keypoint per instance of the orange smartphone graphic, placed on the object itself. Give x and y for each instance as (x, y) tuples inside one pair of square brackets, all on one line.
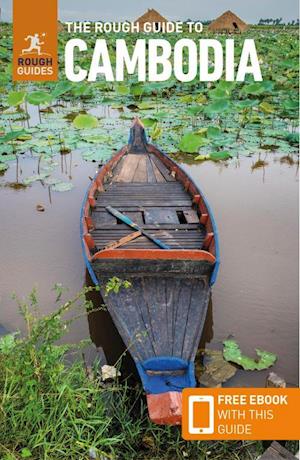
[(201, 414)]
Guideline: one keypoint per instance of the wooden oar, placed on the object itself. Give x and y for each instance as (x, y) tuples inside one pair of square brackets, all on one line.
[(126, 239), (131, 224)]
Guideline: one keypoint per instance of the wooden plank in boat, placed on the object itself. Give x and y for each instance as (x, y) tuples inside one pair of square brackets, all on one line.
[(163, 169), (102, 226), (128, 169), (136, 217), (158, 176), (191, 216), (150, 172), (104, 217), (140, 174), (161, 216), (135, 207), (117, 202)]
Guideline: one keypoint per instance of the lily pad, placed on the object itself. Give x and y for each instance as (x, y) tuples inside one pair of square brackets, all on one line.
[(35, 177), (232, 353), (16, 98), (85, 121), (39, 98), (221, 155), (3, 167), (191, 143), (62, 187)]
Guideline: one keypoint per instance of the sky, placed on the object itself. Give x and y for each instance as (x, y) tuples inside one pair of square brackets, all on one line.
[(119, 10)]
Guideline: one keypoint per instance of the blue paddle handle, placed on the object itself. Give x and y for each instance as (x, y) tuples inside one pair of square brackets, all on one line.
[(131, 224)]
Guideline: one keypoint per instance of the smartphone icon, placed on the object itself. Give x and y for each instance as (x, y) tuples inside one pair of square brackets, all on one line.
[(201, 414)]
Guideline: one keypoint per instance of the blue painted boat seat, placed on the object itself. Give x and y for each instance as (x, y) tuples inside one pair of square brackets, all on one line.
[(166, 373)]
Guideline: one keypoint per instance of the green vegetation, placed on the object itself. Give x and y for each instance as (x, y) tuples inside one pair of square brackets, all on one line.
[(232, 353), (51, 408), (206, 121)]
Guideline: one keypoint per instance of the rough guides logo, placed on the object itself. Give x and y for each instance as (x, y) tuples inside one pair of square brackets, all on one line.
[(35, 40)]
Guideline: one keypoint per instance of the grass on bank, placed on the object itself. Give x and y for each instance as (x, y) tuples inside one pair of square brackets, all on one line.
[(51, 409)]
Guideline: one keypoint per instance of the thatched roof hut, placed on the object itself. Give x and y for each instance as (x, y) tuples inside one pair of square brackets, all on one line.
[(151, 16), (228, 22)]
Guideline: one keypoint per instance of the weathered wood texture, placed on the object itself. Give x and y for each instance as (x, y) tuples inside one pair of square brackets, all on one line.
[(143, 188), (163, 312), (160, 315), (277, 452)]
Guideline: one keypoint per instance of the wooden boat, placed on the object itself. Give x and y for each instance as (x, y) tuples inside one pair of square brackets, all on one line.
[(171, 267)]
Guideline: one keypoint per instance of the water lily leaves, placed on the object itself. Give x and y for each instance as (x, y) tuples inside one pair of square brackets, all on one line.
[(137, 89), (219, 106), (123, 90), (219, 93), (293, 138), (201, 99), (85, 121), (148, 122), (61, 88), (232, 353), (62, 186), (194, 110), (99, 154), (36, 177), (39, 98), (156, 132), (258, 87), (213, 132), (16, 98), (191, 143), (3, 167), (221, 155), (146, 105), (12, 135), (266, 107)]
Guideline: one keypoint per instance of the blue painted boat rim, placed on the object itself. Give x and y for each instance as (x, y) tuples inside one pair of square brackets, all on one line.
[(157, 384), (86, 260)]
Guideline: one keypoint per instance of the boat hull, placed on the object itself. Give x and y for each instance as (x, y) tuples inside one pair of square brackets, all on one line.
[(161, 315)]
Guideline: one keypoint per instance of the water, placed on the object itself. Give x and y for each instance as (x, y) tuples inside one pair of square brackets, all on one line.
[(255, 299)]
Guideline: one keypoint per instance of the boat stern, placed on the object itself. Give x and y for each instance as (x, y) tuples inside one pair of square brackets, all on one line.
[(165, 408), (163, 379)]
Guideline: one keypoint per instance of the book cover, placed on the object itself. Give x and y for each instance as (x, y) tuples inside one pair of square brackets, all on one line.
[(149, 230)]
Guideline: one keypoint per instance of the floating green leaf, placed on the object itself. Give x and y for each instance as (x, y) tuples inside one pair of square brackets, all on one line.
[(220, 155), (266, 107), (3, 167), (232, 353), (85, 122), (16, 98), (62, 186), (39, 98), (35, 177), (220, 105), (191, 143)]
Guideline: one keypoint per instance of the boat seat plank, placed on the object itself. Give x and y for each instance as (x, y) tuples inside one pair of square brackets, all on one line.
[(191, 216), (160, 216)]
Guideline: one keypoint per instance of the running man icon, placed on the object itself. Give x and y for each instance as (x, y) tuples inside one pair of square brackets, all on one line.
[(35, 44)]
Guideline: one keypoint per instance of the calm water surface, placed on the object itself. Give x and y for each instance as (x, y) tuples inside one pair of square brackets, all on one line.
[(255, 299)]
